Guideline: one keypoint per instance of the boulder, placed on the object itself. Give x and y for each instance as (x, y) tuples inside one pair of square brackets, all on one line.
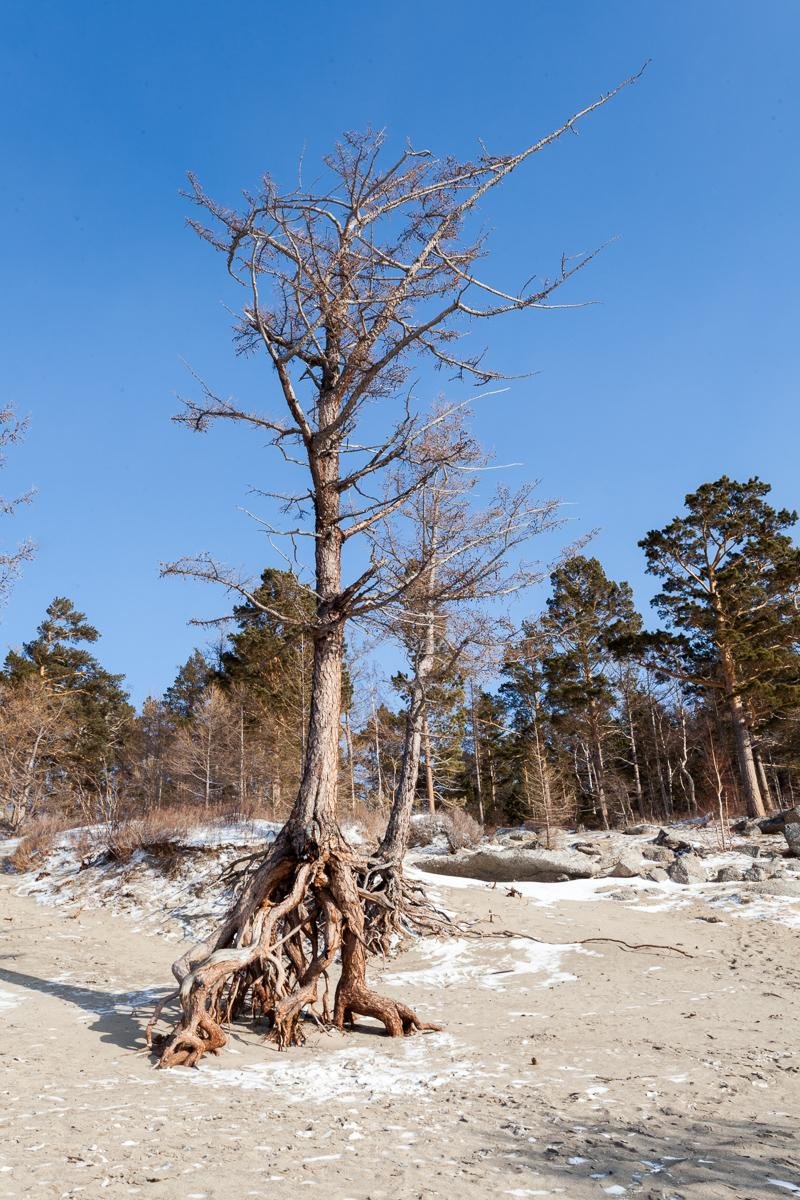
[(757, 873), (512, 865), (686, 869), (791, 831), (676, 844), (658, 854), (747, 827), (776, 822), (752, 851), (628, 865), (728, 875), (776, 887), (656, 875), (590, 848), (640, 830)]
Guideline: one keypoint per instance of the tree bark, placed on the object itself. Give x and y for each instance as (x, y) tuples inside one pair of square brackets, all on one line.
[(426, 738), (395, 839)]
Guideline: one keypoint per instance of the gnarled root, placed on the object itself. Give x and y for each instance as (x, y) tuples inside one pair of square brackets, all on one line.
[(295, 914), (396, 909)]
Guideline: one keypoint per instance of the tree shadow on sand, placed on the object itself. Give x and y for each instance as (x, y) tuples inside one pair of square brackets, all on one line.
[(669, 1157), (120, 1017)]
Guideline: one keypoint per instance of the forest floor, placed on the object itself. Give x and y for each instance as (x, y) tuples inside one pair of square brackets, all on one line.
[(563, 1070)]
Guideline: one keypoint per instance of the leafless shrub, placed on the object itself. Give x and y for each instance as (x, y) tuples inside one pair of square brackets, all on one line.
[(461, 830), (159, 833), (424, 830), (371, 822), (37, 843)]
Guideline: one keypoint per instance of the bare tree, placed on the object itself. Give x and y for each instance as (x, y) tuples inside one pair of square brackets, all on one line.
[(348, 284), (12, 430), (446, 618), (35, 734)]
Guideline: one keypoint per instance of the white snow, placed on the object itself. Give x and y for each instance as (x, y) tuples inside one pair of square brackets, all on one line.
[(7, 1001), (355, 1074)]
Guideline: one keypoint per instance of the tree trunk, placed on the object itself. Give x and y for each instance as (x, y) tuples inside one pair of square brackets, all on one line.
[(745, 757), (299, 904), (477, 749), (637, 775), (426, 739), (395, 839), (741, 730), (766, 795), (348, 734)]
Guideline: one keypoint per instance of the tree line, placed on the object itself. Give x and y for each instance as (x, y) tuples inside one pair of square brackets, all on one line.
[(586, 717)]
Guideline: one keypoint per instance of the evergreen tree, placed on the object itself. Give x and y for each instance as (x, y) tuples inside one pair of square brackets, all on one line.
[(267, 665), (730, 589), (586, 616), (95, 702), (184, 697)]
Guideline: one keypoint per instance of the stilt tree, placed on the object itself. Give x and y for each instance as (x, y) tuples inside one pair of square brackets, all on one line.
[(348, 286)]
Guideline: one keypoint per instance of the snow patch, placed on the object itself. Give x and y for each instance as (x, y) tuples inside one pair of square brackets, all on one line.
[(356, 1074)]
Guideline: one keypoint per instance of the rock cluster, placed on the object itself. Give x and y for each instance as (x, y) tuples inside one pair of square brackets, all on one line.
[(523, 855)]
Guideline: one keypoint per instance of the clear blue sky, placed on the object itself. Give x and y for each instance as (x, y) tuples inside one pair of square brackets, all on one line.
[(688, 367)]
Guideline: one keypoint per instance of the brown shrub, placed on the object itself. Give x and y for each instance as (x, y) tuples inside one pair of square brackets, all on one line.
[(458, 827), (461, 830), (37, 843), (424, 830), (371, 822), (158, 832)]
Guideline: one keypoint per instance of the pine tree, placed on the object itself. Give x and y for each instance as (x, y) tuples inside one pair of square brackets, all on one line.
[(730, 588), (184, 697), (268, 664), (95, 702), (586, 615)]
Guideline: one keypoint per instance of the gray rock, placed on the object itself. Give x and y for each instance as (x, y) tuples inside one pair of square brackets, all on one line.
[(677, 844), (777, 822), (776, 887), (512, 865), (628, 865), (590, 848), (757, 873), (791, 832), (656, 875), (751, 851), (729, 875), (686, 869), (747, 826), (658, 854)]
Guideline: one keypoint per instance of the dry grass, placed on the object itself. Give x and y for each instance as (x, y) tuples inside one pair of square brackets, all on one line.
[(424, 830), (158, 833), (371, 822), (37, 842)]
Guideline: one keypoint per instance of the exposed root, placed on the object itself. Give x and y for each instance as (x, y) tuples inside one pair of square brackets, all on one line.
[(632, 946), (396, 909), (295, 913)]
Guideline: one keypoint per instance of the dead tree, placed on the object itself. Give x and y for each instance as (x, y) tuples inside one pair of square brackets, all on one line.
[(12, 430), (348, 285), (444, 620)]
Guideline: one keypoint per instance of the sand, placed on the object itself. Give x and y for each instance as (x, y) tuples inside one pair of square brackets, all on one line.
[(564, 1070)]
